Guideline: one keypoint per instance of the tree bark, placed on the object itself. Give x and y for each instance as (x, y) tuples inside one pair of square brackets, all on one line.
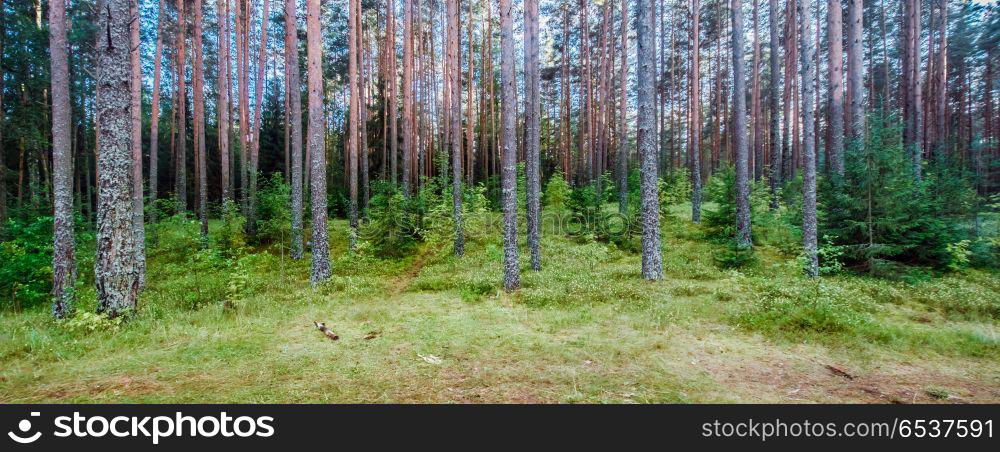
[(512, 270), (63, 252), (455, 82), (353, 136), (254, 152), (532, 129), (694, 148), (180, 160), (154, 117), (808, 53), (320, 241), (622, 157), (835, 106), (136, 117), (408, 141), (116, 272), (295, 102), (774, 86), (743, 238), (856, 115), (652, 261), (757, 121), (222, 106), (199, 118)]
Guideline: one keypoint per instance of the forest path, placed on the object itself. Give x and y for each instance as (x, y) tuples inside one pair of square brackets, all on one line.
[(402, 282)]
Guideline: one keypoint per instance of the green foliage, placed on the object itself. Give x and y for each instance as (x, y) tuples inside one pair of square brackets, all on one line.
[(391, 230), (26, 257), (274, 212), (885, 218), (89, 322), (557, 192), (769, 227), (230, 236), (675, 187)]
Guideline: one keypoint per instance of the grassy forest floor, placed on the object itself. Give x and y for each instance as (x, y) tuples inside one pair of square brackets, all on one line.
[(433, 328)]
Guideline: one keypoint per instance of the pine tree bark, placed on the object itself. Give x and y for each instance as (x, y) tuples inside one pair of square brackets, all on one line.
[(855, 68), (532, 128), (508, 176), (294, 95), (652, 260), (743, 238), (180, 160), (154, 117), (63, 252), (455, 82), (408, 141), (222, 105), (320, 240), (835, 101), (694, 148), (941, 91), (808, 53), (392, 90), (622, 157), (199, 118), (774, 87), (757, 120), (136, 116), (116, 272), (254, 153), (353, 135)]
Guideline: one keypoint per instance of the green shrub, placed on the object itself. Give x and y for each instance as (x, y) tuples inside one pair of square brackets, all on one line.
[(557, 192), (274, 212), (230, 237), (26, 256)]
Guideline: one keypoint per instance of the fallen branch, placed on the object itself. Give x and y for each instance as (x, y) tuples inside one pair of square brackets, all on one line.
[(328, 332), (839, 372)]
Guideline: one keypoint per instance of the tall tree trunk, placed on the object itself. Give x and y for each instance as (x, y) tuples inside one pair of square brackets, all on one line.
[(808, 53), (856, 115), (254, 152), (743, 239), (694, 148), (408, 138), (180, 161), (511, 264), (774, 86), (835, 38), (154, 117), (914, 123), (455, 116), (532, 129), (320, 241), (622, 157), (941, 91), (116, 272), (136, 117), (63, 251), (564, 88), (652, 260), (199, 118), (3, 165), (393, 92), (756, 116), (222, 106), (363, 150), (295, 102), (353, 135)]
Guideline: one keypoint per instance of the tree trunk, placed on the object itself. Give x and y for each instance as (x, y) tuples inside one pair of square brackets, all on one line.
[(320, 241), (622, 157), (154, 117), (63, 252), (408, 141), (353, 119), (295, 102), (835, 143), (757, 121), (774, 85), (694, 148), (222, 107), (199, 119), (743, 239), (180, 160), (254, 153), (808, 53), (652, 261), (532, 128), (393, 92), (455, 116), (512, 270), (136, 117), (116, 272), (856, 115), (941, 91)]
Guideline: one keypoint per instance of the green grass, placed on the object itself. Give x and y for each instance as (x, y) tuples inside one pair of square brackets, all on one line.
[(236, 326)]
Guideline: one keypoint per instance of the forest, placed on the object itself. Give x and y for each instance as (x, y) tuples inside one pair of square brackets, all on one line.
[(496, 201)]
